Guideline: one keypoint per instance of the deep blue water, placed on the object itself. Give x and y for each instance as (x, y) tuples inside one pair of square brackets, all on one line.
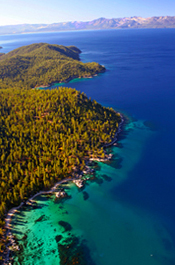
[(140, 82)]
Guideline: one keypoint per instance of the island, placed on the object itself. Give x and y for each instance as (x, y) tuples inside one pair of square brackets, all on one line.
[(42, 64)]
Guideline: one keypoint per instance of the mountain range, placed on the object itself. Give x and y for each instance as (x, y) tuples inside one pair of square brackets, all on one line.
[(100, 23)]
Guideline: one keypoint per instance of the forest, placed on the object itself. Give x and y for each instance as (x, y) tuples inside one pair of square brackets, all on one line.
[(45, 136), (42, 64)]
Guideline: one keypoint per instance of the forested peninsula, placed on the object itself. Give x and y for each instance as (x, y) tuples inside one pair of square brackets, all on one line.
[(46, 136), (42, 64)]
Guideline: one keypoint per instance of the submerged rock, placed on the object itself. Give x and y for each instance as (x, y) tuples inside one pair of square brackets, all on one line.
[(151, 125), (107, 178), (40, 218), (85, 195), (72, 251), (66, 226), (97, 180), (58, 238), (24, 237)]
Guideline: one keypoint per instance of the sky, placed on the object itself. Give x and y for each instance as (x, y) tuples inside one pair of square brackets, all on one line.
[(14, 12)]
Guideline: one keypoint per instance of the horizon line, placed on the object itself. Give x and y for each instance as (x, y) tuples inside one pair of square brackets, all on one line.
[(73, 21)]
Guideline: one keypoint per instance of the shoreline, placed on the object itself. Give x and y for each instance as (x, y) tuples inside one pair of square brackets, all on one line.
[(12, 211), (70, 79)]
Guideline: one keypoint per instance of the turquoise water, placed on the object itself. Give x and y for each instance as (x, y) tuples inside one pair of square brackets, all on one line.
[(114, 232), (129, 220)]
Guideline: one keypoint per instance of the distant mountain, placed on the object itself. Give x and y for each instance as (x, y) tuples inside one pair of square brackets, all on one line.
[(100, 23)]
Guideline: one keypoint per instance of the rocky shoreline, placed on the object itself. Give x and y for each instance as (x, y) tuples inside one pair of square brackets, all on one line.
[(77, 180), (12, 245), (71, 78)]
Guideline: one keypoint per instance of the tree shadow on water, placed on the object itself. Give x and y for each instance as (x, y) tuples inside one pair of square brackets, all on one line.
[(106, 178), (17, 232), (115, 163)]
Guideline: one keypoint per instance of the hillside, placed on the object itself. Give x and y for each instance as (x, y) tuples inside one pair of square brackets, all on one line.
[(42, 64), (100, 23), (45, 136)]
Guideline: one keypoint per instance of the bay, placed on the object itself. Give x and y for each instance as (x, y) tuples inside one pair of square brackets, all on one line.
[(130, 219)]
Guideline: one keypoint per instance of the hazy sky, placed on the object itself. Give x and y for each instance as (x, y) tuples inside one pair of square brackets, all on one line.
[(50, 11)]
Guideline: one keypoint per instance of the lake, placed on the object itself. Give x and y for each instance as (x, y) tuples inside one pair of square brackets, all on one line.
[(129, 216)]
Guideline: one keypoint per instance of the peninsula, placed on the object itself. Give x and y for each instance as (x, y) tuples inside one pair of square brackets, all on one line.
[(47, 136), (42, 64)]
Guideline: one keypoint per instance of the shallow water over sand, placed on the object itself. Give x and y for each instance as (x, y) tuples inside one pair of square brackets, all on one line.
[(114, 231)]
